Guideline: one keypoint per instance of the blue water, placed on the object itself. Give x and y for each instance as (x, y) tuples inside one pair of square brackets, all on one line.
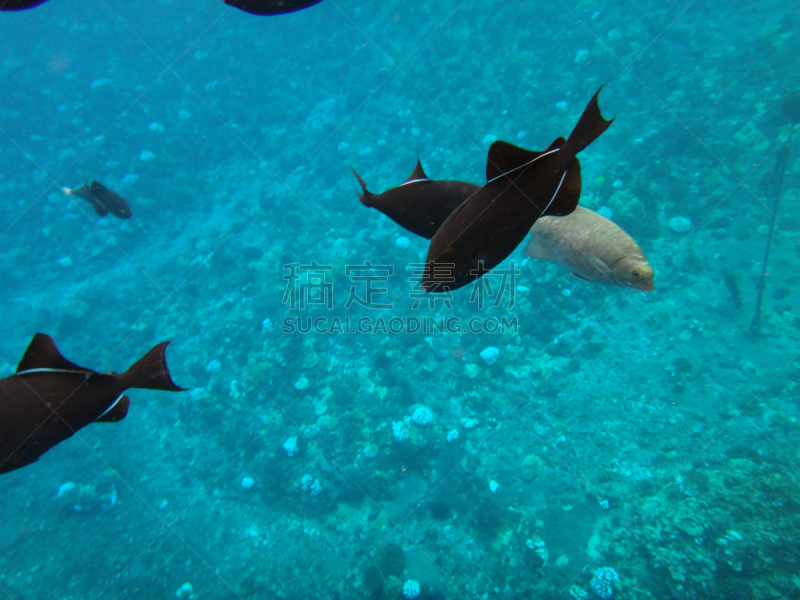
[(652, 434)]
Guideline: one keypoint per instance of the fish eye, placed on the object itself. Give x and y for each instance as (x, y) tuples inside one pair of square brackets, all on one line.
[(636, 274)]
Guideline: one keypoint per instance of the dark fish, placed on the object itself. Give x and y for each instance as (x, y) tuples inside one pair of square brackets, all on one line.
[(733, 289), (419, 204), (270, 7), (522, 185), (255, 7), (102, 199), (19, 4), (791, 106), (50, 398)]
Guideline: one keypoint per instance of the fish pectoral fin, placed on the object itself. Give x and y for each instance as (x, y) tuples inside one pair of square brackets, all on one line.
[(604, 273), (42, 353), (99, 208), (581, 277)]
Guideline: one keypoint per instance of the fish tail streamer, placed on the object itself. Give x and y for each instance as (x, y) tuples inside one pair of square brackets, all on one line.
[(366, 196)]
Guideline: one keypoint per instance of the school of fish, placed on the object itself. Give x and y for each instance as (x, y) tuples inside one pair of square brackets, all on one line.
[(472, 228)]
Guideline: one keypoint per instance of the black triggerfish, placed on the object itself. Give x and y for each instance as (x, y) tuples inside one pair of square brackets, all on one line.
[(270, 7), (522, 185), (419, 204), (20, 4), (102, 199), (49, 398), (255, 7)]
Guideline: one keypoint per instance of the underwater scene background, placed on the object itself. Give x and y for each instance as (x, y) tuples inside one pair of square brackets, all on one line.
[(615, 443)]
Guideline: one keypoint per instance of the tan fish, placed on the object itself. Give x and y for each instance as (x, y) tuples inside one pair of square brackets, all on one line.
[(593, 248)]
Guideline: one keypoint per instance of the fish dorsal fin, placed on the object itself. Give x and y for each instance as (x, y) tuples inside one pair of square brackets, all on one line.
[(97, 188), (417, 175), (504, 157), (42, 353)]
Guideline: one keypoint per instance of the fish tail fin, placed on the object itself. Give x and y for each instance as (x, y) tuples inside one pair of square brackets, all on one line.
[(367, 195), (590, 126), (151, 372)]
